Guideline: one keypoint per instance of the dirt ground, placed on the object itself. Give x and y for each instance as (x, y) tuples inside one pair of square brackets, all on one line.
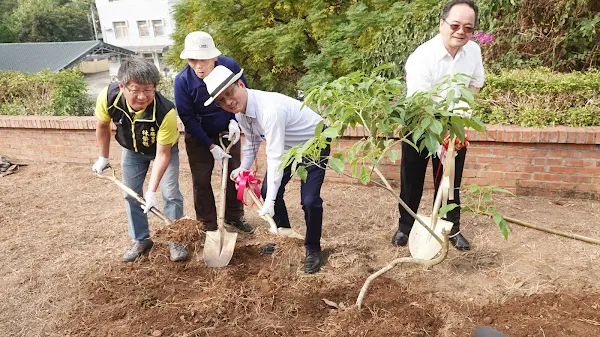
[(64, 231)]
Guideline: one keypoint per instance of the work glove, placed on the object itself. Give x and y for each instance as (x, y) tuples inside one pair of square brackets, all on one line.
[(100, 165), (219, 155), (151, 201), (462, 109), (234, 132), (268, 208), (236, 172)]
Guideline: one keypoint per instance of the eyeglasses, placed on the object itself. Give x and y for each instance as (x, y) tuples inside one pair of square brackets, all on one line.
[(227, 94), (147, 93), (455, 26)]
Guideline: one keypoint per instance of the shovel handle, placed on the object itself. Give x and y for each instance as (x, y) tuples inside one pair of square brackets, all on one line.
[(267, 217), (224, 179), (134, 195)]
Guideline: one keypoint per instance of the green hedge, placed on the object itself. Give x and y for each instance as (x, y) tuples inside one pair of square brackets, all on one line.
[(540, 97), (62, 93)]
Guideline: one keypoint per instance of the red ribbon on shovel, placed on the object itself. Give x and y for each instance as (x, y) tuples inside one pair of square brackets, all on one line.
[(247, 179)]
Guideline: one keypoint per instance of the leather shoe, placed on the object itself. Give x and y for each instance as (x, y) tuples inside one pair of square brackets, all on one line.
[(459, 242), (399, 239), (313, 261)]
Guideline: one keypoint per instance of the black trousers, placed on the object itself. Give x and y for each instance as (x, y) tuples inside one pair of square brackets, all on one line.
[(202, 163), (412, 177), (310, 197)]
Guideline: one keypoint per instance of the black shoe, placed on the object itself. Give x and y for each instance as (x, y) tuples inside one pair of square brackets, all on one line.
[(209, 227), (242, 225), (313, 261), (459, 242), (399, 239)]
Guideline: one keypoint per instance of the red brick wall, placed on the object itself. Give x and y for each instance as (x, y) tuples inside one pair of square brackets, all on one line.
[(558, 161)]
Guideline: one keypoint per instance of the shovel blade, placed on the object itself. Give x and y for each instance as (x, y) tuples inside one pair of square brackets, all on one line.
[(423, 245), (218, 248), (290, 233)]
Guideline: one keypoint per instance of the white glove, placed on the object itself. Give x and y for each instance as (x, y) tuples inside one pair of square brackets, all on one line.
[(219, 154), (236, 172), (462, 109), (234, 132), (268, 208), (100, 165), (151, 201)]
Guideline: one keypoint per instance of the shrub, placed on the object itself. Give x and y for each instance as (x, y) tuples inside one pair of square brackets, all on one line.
[(63, 93), (540, 97)]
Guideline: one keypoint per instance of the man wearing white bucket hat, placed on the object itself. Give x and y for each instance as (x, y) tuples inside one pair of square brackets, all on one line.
[(283, 122), (450, 52), (203, 126)]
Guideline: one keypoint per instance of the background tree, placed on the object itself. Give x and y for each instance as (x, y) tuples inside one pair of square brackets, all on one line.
[(45, 21), (289, 45)]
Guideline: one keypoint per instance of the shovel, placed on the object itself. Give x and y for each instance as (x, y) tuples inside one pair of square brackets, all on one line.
[(421, 243), (132, 194), (220, 244), (272, 225)]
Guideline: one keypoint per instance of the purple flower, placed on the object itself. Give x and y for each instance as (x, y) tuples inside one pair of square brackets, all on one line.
[(483, 38)]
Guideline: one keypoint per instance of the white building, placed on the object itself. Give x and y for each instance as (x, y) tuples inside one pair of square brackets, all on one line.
[(143, 26)]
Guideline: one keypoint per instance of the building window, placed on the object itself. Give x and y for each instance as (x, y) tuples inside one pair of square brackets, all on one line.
[(120, 29), (148, 56), (159, 27), (143, 28)]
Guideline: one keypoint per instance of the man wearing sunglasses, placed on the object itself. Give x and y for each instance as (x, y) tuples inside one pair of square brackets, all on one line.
[(283, 122), (450, 52), (147, 131), (203, 126)]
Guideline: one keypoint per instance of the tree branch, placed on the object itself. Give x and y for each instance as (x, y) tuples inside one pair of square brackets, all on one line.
[(428, 263)]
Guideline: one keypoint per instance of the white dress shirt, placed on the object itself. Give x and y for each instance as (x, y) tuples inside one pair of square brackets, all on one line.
[(430, 62), (282, 122)]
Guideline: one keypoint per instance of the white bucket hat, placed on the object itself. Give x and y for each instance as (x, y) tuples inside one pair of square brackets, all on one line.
[(199, 46), (218, 80)]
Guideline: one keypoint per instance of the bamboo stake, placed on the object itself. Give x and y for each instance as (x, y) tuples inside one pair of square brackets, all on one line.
[(550, 230)]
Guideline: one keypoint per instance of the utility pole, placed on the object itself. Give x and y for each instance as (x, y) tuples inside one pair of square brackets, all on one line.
[(94, 21)]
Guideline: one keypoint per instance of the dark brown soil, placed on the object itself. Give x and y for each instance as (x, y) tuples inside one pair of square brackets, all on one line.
[(64, 231)]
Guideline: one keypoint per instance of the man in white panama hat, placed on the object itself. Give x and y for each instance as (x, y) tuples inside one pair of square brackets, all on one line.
[(203, 125), (282, 122)]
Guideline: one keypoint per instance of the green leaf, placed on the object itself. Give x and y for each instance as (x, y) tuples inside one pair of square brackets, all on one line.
[(487, 196), (498, 189), (411, 144), (467, 94), (425, 122), (331, 132), (337, 165), (306, 145), (319, 129), (474, 188), (436, 127), (365, 175), (502, 224), (302, 172), (445, 209), (394, 155)]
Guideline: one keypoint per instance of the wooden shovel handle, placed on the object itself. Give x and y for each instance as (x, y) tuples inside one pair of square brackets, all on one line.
[(224, 179), (267, 217), (134, 195)]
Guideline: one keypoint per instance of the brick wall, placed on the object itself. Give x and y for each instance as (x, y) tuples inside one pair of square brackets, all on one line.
[(558, 161)]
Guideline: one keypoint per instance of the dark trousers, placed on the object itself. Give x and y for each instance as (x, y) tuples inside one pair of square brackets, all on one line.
[(310, 198), (201, 167), (412, 177)]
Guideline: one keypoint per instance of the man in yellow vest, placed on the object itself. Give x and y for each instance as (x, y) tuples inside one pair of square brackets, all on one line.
[(147, 131)]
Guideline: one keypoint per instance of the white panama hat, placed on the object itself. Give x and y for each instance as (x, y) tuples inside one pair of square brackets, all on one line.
[(218, 80), (199, 46)]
